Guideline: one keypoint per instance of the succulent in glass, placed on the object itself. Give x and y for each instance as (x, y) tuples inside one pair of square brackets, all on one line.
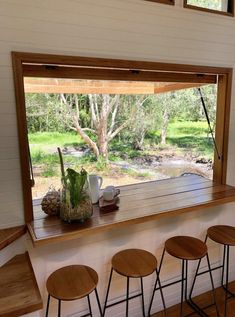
[(75, 201)]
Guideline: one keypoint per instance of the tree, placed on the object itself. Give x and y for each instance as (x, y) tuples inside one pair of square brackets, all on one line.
[(104, 125)]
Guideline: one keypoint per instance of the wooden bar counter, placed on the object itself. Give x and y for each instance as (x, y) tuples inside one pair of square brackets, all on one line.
[(138, 203)]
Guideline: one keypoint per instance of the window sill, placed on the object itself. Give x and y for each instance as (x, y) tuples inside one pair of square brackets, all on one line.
[(193, 7), (138, 203)]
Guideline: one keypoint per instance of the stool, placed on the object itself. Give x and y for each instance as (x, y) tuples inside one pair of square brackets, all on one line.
[(224, 235), (187, 249), (70, 283), (133, 263)]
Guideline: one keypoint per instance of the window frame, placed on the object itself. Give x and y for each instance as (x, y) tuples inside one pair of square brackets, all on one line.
[(113, 67), (197, 8), (170, 2)]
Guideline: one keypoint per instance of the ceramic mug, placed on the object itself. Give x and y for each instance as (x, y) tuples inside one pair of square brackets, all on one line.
[(109, 193)]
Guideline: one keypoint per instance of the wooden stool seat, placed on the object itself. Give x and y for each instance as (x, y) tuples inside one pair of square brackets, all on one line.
[(72, 282), (222, 234), (134, 263), (186, 248)]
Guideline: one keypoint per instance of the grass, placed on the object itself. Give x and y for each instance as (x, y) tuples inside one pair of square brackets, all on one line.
[(56, 139), (182, 137), (191, 136)]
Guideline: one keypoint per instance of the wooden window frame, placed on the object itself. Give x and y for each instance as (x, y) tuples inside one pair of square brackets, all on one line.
[(170, 2), (46, 65), (194, 7)]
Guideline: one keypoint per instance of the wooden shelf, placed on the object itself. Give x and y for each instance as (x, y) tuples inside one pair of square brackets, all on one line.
[(9, 235), (19, 293), (138, 203)]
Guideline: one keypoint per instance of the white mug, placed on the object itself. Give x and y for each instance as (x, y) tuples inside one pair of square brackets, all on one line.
[(109, 193), (95, 183)]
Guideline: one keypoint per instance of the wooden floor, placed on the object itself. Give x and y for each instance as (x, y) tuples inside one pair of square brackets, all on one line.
[(204, 300), (19, 293), (138, 203)]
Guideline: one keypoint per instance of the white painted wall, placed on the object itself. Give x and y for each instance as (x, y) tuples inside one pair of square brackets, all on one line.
[(128, 29)]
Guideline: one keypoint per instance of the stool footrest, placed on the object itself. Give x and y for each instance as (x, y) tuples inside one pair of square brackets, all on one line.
[(228, 291), (123, 300), (199, 310)]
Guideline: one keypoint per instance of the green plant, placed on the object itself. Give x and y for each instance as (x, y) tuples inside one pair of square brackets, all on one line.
[(74, 184), (49, 171)]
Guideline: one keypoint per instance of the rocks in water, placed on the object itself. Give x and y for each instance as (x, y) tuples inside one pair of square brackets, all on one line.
[(148, 160)]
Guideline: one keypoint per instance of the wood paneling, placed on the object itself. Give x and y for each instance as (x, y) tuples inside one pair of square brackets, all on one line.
[(73, 86), (9, 235), (138, 203), (19, 293)]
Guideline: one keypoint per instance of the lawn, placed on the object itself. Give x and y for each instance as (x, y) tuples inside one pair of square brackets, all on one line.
[(184, 139)]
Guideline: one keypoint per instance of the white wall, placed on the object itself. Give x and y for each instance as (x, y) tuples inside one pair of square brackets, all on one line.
[(128, 29)]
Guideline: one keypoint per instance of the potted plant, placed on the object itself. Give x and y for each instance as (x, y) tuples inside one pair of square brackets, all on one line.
[(75, 201)]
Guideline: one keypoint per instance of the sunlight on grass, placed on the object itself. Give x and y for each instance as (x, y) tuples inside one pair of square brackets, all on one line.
[(55, 138)]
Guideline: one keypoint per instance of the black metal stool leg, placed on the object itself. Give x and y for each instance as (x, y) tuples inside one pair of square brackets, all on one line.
[(107, 294), (142, 295), (182, 288), (223, 266), (89, 305), (161, 293), (48, 303), (213, 286), (59, 307), (227, 274), (155, 286), (127, 296), (186, 282), (190, 301), (98, 301)]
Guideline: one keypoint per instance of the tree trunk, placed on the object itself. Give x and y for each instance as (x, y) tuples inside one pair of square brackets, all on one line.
[(166, 117), (102, 137)]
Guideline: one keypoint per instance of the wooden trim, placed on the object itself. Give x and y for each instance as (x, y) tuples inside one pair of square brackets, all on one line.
[(51, 59), (9, 235), (222, 126), (194, 7), (171, 2), (115, 68), (115, 74), (22, 136)]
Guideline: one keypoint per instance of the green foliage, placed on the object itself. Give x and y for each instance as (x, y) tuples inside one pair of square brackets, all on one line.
[(55, 138), (191, 136), (208, 4), (151, 115), (40, 156), (101, 164), (49, 171), (74, 183)]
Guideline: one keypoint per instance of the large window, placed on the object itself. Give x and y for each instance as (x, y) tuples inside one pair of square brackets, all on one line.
[(225, 7), (128, 82)]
